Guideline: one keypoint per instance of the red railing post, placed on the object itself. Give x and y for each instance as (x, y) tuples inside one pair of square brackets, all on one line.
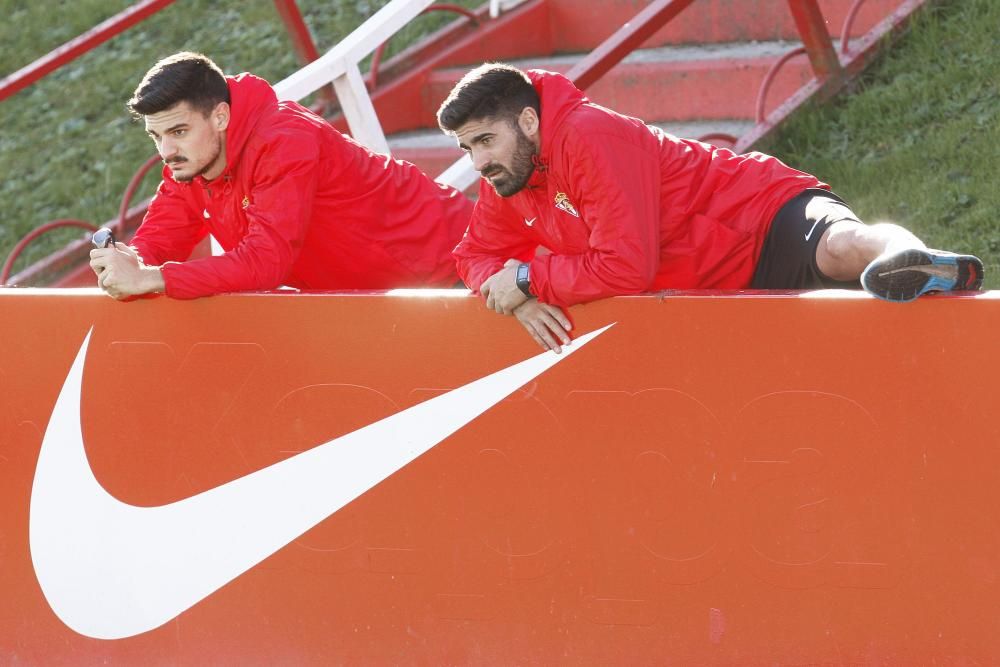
[(302, 41), (625, 40), (816, 38)]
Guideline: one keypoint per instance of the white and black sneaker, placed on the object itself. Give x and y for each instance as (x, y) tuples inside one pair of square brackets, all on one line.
[(905, 275)]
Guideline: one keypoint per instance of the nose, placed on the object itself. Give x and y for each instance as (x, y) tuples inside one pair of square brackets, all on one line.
[(480, 159), (166, 148)]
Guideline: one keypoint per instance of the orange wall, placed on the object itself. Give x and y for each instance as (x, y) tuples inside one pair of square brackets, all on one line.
[(712, 480)]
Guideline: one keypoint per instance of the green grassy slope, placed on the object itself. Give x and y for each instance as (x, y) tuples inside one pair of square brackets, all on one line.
[(68, 147), (918, 141)]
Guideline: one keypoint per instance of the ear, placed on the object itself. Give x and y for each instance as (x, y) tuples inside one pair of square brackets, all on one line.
[(220, 116), (529, 123)]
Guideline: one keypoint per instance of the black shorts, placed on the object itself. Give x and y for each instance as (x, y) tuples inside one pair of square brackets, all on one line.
[(788, 258)]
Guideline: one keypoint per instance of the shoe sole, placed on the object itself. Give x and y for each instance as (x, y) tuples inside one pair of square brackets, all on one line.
[(910, 273)]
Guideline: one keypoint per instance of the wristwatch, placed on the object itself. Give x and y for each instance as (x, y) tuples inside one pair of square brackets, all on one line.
[(523, 279)]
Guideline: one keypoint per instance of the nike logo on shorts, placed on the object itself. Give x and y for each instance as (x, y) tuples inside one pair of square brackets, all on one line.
[(812, 230)]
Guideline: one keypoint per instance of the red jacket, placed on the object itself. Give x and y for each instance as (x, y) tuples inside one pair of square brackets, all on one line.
[(300, 204), (625, 207)]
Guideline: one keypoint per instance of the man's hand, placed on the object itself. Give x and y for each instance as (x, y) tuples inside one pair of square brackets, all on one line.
[(501, 290), (122, 275), (547, 324)]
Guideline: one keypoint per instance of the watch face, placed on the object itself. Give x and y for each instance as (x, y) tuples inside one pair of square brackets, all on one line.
[(522, 280)]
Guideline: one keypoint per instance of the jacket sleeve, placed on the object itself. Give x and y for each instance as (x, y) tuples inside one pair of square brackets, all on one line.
[(493, 237), (170, 229), (284, 186), (617, 187)]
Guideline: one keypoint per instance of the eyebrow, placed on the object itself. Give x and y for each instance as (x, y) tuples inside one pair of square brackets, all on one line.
[(475, 140), (170, 129)]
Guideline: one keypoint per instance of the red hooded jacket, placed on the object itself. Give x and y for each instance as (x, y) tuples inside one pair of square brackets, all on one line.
[(625, 207), (300, 204)]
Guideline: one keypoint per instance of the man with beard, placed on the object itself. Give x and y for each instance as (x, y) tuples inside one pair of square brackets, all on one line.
[(290, 200), (587, 203)]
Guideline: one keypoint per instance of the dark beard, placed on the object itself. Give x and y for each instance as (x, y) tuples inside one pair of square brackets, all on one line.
[(521, 167)]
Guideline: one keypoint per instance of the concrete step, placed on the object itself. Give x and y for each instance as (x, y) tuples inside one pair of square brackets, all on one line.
[(669, 83), (540, 28), (580, 25), (433, 151)]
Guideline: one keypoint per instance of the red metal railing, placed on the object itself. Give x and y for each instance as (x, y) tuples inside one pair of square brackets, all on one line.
[(765, 84), (133, 185), (288, 10), (808, 20), (304, 46), (76, 47), (8, 265), (829, 71), (845, 43), (625, 40), (845, 33), (815, 38), (851, 62), (118, 226)]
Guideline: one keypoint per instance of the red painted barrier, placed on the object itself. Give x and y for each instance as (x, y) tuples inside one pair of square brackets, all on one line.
[(708, 479)]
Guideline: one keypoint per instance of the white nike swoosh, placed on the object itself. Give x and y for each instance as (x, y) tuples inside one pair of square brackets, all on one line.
[(110, 570), (811, 230), (530, 222)]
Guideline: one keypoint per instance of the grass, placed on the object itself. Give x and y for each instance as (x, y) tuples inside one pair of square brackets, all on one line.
[(68, 145), (918, 141)]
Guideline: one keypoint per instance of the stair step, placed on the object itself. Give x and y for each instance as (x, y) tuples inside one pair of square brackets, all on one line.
[(672, 83), (580, 25), (541, 27), (433, 151), (437, 140)]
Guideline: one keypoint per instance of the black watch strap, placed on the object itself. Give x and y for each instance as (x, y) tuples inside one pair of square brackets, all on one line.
[(523, 279)]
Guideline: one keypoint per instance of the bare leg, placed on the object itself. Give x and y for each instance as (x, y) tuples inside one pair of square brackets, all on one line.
[(892, 263), (847, 247)]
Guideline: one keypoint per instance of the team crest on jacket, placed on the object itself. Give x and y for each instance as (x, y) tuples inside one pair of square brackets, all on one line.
[(246, 202), (563, 203)]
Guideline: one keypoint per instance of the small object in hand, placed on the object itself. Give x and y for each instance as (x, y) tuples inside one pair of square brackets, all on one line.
[(103, 238)]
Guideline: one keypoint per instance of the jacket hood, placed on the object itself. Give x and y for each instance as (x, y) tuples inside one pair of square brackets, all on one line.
[(251, 98), (558, 98)]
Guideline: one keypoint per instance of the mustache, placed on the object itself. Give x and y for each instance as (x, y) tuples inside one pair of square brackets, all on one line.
[(491, 170), (175, 160)]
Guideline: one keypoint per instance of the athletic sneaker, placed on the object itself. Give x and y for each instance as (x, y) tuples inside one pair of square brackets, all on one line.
[(905, 275)]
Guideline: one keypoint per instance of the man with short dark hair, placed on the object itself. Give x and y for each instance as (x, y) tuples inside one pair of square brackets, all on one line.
[(290, 200), (587, 203)]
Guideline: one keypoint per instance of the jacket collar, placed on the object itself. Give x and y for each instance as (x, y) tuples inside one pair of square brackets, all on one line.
[(559, 97), (250, 99)]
